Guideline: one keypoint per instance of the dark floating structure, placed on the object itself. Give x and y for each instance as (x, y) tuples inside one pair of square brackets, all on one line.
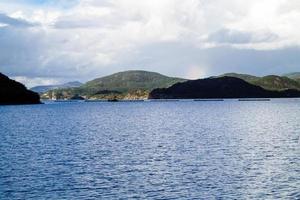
[(113, 100), (15, 93), (254, 99), (208, 99)]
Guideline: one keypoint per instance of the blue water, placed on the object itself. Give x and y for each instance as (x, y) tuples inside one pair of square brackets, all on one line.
[(151, 150)]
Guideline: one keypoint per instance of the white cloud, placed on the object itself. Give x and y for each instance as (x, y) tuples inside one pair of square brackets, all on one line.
[(31, 82), (195, 72), (93, 37)]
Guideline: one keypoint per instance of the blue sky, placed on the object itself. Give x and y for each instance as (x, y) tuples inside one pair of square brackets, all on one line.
[(54, 41), (37, 2)]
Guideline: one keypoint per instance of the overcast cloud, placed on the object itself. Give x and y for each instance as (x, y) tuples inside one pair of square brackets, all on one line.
[(54, 41)]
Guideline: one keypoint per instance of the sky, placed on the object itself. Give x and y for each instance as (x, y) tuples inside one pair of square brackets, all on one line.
[(55, 41)]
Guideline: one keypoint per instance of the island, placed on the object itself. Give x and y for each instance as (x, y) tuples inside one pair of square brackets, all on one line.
[(136, 85), (15, 93), (219, 88)]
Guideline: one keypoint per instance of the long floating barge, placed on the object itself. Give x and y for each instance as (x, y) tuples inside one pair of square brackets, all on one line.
[(208, 100), (254, 99)]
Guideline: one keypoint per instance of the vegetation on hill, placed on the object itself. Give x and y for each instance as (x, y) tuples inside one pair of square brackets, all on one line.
[(273, 82), (246, 77), (215, 88), (131, 80), (270, 82), (295, 76), (122, 85), (138, 85), (13, 93)]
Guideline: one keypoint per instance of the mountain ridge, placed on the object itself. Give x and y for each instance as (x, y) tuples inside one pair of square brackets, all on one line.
[(46, 88)]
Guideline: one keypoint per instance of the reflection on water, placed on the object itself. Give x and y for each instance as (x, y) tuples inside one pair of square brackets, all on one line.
[(151, 150)]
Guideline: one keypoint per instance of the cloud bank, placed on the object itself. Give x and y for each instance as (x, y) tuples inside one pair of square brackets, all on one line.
[(57, 41)]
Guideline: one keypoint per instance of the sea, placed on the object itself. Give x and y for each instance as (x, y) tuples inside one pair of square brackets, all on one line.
[(151, 150)]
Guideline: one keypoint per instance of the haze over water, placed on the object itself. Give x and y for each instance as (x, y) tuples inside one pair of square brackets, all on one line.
[(151, 150)]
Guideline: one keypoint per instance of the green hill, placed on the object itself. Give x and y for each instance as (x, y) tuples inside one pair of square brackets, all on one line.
[(270, 82), (294, 75), (245, 77), (128, 84), (138, 85), (273, 82), (131, 80)]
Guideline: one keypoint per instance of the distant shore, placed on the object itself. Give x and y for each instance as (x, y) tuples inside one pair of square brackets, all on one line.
[(175, 100)]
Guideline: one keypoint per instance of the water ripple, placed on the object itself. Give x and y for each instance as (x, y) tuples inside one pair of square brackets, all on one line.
[(151, 150)]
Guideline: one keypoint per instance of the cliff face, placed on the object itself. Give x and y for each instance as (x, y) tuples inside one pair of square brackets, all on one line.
[(14, 93), (223, 87)]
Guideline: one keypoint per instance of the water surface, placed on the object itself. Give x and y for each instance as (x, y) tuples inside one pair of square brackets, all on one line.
[(151, 150)]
